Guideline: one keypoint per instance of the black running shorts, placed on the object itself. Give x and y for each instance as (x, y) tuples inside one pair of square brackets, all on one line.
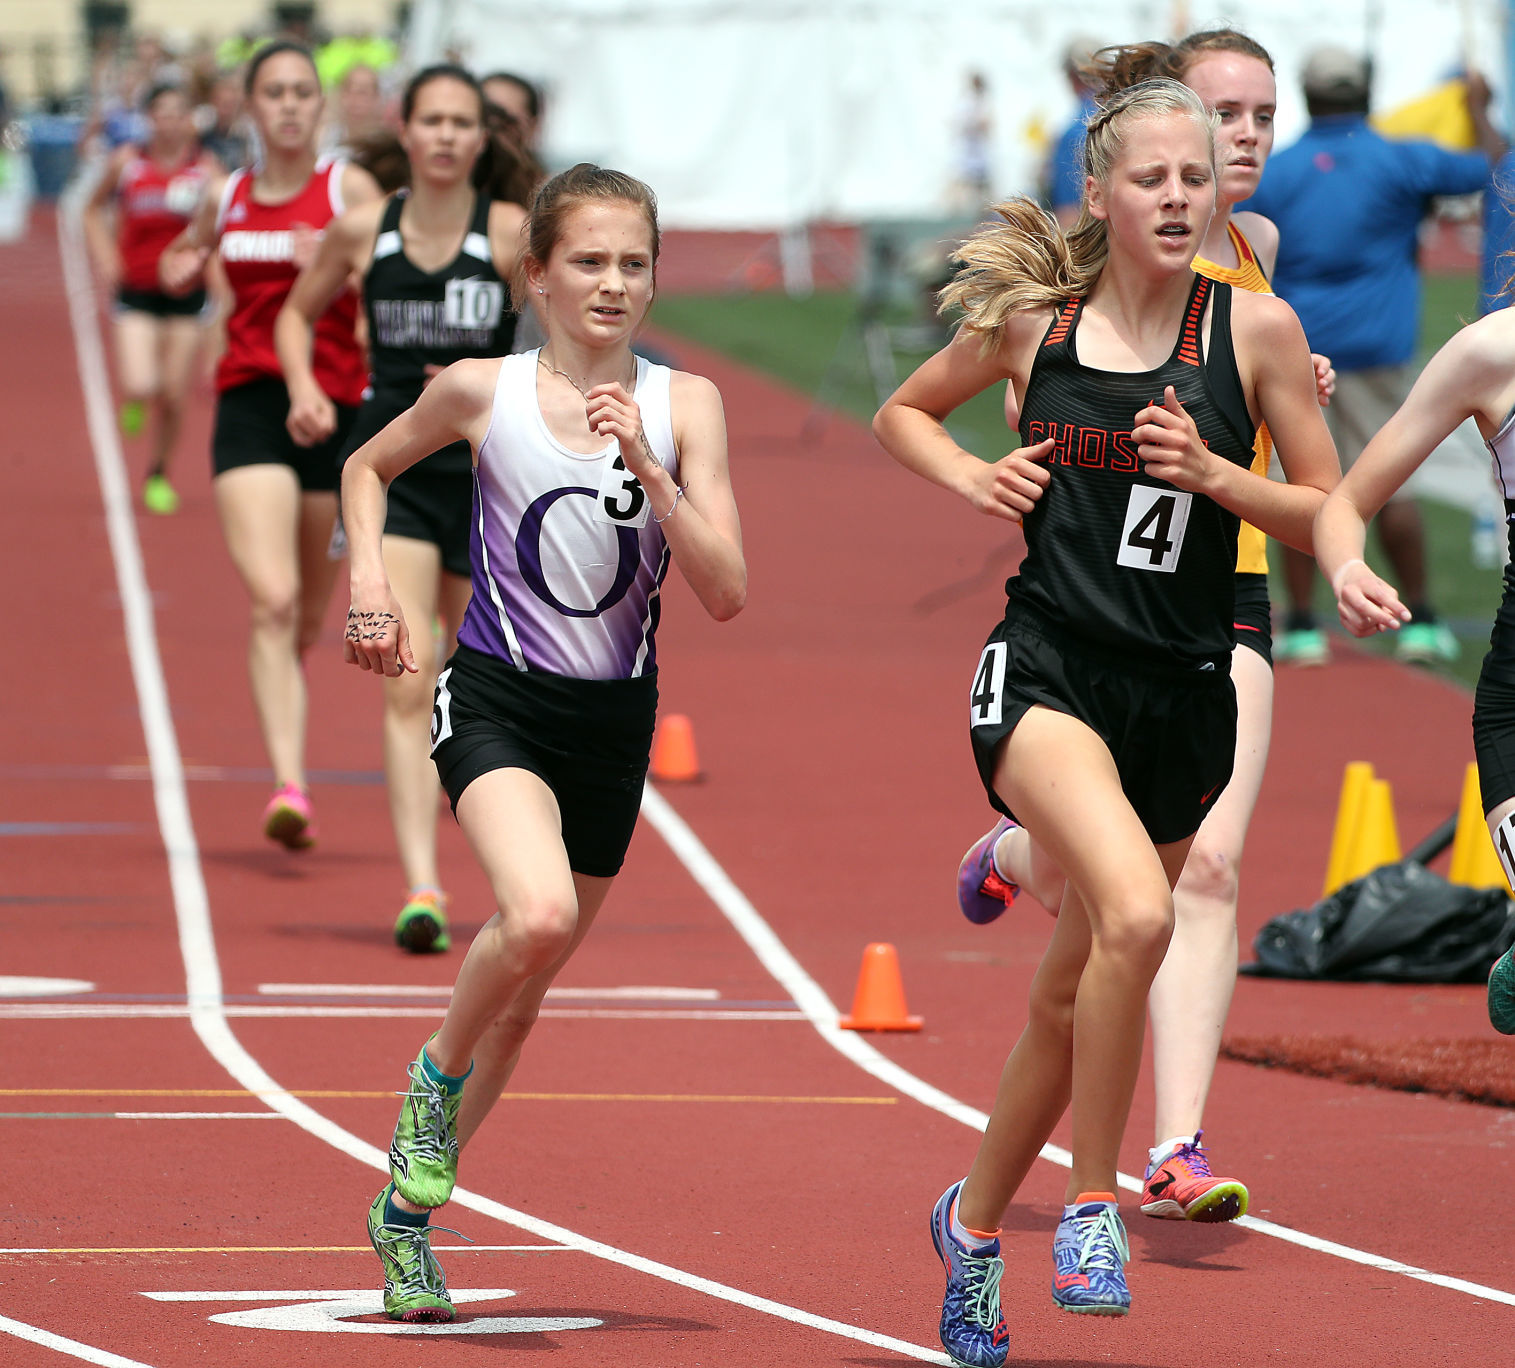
[(1494, 717), (250, 431), (433, 500), (160, 305), (1171, 730), (588, 740)]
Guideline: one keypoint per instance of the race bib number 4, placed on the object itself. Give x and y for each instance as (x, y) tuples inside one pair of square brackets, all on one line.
[(1153, 535), (473, 303), (986, 701)]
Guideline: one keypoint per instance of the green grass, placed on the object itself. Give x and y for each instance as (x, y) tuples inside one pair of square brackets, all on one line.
[(814, 345)]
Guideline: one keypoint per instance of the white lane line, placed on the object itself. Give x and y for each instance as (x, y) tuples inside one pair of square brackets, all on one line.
[(126, 1011), (812, 1000), (627, 993), (191, 900), (103, 1357)]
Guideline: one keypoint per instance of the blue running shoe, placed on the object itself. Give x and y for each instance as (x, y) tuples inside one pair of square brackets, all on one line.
[(1088, 1254), (1502, 993), (981, 893), (973, 1327)]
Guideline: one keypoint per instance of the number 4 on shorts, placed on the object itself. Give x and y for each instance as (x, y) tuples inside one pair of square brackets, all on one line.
[(986, 702)]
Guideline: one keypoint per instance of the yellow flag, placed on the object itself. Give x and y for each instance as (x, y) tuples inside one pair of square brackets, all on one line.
[(1441, 116)]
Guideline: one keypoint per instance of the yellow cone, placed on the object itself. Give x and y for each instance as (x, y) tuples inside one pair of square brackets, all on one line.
[(1376, 840), (1475, 863), (1354, 788)]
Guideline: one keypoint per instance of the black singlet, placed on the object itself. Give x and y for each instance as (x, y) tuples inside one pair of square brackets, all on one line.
[(1114, 556)]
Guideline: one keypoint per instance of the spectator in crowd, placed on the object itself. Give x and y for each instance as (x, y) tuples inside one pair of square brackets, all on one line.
[(1348, 204), (360, 113), (972, 126), (1065, 166), (223, 130)]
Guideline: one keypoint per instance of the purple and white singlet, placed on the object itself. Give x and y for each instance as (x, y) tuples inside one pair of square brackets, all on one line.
[(567, 561)]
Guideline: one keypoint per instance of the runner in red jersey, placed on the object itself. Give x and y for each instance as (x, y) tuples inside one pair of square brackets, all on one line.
[(142, 202), (277, 501)]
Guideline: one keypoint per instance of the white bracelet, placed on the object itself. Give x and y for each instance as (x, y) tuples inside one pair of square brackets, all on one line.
[(678, 493), (1342, 570)]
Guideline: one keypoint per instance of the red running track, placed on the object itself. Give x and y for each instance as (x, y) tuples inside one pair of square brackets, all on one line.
[(719, 1137)]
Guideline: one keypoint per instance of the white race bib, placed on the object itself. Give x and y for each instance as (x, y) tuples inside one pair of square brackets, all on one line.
[(1153, 535), (473, 303)]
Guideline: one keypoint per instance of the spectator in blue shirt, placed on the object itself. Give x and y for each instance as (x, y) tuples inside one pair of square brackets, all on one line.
[(1498, 265), (1065, 165), (1348, 203)]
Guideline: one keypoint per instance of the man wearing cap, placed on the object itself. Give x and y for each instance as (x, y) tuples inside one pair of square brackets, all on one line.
[(1348, 203)]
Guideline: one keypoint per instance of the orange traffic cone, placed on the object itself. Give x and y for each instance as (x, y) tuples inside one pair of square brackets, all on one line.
[(1475, 863), (673, 755), (879, 1004)]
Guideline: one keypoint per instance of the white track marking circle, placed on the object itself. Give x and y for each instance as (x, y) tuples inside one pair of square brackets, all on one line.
[(320, 1312)]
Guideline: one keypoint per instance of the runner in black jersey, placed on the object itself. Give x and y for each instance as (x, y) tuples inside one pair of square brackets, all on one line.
[(1472, 376), (435, 259), (1102, 714)]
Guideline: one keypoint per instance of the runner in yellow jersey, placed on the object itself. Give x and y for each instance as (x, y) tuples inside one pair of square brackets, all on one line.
[(1191, 995)]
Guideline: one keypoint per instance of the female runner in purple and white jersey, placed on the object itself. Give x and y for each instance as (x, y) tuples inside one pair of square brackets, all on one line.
[(592, 470)]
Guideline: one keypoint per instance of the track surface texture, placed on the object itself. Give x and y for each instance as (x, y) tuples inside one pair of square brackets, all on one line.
[(692, 1179)]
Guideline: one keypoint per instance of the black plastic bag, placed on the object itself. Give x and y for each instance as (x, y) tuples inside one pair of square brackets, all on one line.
[(1401, 923)]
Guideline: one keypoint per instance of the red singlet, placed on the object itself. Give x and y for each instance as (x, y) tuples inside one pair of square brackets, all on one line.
[(257, 250), (156, 202)]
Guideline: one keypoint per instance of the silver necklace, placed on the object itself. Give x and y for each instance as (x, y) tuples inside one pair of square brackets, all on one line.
[(546, 365)]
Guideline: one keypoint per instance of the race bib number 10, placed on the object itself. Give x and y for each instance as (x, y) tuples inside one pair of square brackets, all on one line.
[(473, 303), (1153, 536)]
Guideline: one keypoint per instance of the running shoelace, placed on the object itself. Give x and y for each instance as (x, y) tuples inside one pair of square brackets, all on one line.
[(1193, 1158), (981, 1277), (1102, 1241), (419, 1272), (431, 1120)]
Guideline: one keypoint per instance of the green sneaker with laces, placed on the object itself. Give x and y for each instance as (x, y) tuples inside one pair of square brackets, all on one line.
[(1502, 994), (158, 496), (1302, 646), (421, 926), (423, 1155), (1427, 643), (415, 1288)]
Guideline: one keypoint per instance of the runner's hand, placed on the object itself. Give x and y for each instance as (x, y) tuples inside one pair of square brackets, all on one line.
[(376, 637), (612, 412), (1009, 487), (1366, 603), (1325, 378), (1169, 447), (312, 417)]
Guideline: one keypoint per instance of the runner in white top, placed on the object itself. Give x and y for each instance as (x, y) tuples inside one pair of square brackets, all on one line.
[(592, 470)]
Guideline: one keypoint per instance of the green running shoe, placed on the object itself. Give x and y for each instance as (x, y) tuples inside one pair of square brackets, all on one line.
[(1502, 993), (158, 496), (133, 417), (1302, 646), (423, 1156), (415, 1288), (1427, 643), (422, 925)]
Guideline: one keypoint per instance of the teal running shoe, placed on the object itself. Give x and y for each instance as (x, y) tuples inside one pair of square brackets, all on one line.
[(1427, 643), (1502, 993), (973, 1327), (415, 1288), (423, 1155), (1089, 1253), (1301, 646)]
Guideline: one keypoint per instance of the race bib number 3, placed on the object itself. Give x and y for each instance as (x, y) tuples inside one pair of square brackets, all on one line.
[(1153, 536), (622, 501), (473, 303)]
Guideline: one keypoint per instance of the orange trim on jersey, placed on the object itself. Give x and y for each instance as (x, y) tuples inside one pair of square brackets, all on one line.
[(1243, 247), (1188, 346), (1063, 322)]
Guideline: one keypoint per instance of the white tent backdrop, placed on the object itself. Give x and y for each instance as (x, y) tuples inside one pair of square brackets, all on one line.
[(772, 113)]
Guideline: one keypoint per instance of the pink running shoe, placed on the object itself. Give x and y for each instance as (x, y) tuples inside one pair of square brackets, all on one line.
[(289, 820), (981, 893), (1182, 1188)]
